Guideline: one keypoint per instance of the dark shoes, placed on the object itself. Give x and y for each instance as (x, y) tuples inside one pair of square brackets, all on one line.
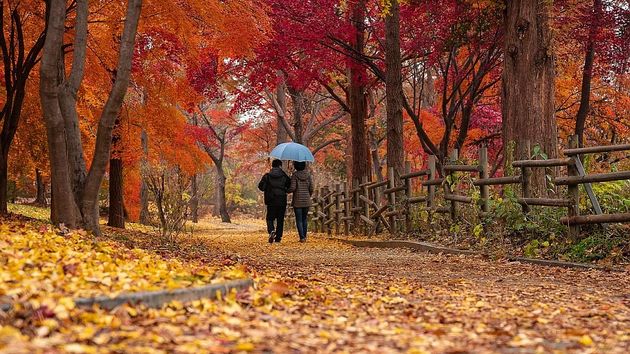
[(273, 238)]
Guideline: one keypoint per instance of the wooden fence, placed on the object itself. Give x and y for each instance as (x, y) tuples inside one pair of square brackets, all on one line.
[(373, 206)]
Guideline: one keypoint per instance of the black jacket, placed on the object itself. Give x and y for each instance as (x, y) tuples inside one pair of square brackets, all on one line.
[(275, 184)]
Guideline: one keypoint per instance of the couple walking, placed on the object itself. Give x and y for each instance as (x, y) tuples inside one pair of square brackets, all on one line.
[(276, 184)]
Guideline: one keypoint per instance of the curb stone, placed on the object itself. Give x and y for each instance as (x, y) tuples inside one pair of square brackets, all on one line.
[(426, 247), (157, 298)]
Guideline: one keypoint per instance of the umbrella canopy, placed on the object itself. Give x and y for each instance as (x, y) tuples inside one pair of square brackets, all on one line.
[(292, 152)]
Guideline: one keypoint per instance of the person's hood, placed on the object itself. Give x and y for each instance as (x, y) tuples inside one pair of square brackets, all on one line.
[(277, 172), (302, 175)]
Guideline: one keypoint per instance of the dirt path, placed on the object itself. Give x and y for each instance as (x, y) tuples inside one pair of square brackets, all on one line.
[(335, 298)]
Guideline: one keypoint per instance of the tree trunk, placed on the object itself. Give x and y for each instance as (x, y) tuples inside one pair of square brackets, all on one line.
[(282, 136), (194, 200), (40, 196), (58, 97), (221, 200), (428, 95), (528, 85), (63, 208), (89, 200), (358, 99), (297, 98), (17, 64), (376, 161), (587, 75), (4, 177), (394, 89), (159, 202), (116, 217), (145, 217)]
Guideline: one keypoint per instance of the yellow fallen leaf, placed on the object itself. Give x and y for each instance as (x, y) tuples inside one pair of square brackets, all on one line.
[(78, 348), (586, 340), (244, 347)]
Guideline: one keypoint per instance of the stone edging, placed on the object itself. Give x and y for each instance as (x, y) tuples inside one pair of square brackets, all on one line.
[(426, 247), (158, 297)]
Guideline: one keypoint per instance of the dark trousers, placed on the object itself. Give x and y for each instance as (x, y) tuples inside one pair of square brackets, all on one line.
[(276, 214), (301, 221)]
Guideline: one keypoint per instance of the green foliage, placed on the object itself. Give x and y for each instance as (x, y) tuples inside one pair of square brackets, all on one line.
[(614, 197), (598, 246), (533, 248), (538, 153), (238, 198), (540, 221)]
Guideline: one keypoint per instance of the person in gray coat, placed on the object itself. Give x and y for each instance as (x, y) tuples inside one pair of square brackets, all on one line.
[(302, 189)]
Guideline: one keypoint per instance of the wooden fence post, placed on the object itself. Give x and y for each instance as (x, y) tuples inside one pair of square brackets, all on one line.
[(573, 191), (431, 189), (366, 206), (408, 194), (315, 219), (449, 185), (525, 178), (328, 213), (356, 204), (483, 173), (346, 208), (392, 199), (337, 208), (322, 204)]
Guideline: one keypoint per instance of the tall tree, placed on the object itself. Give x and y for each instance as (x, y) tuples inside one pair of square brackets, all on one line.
[(20, 54), (587, 72), (75, 189), (217, 129), (358, 94), (528, 84), (116, 214), (394, 88)]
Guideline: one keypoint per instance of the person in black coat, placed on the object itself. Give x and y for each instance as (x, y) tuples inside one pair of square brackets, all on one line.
[(275, 184)]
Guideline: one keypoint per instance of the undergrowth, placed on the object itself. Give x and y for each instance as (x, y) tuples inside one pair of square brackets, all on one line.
[(507, 230)]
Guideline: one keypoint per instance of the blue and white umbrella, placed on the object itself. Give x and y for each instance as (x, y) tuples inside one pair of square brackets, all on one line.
[(292, 152)]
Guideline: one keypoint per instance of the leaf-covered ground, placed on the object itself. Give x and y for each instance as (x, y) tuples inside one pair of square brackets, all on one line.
[(326, 297)]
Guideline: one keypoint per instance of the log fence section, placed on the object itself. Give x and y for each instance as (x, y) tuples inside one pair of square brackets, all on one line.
[(371, 206)]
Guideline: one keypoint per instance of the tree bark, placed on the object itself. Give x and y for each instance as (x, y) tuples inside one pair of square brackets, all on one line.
[(40, 196), (63, 208), (194, 200), (145, 218), (394, 89), (528, 85), (221, 200), (587, 75), (282, 136), (297, 98), (376, 161), (116, 216), (358, 98), (68, 101), (4, 179)]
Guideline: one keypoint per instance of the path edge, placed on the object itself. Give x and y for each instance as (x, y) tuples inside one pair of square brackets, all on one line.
[(157, 298), (429, 248)]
